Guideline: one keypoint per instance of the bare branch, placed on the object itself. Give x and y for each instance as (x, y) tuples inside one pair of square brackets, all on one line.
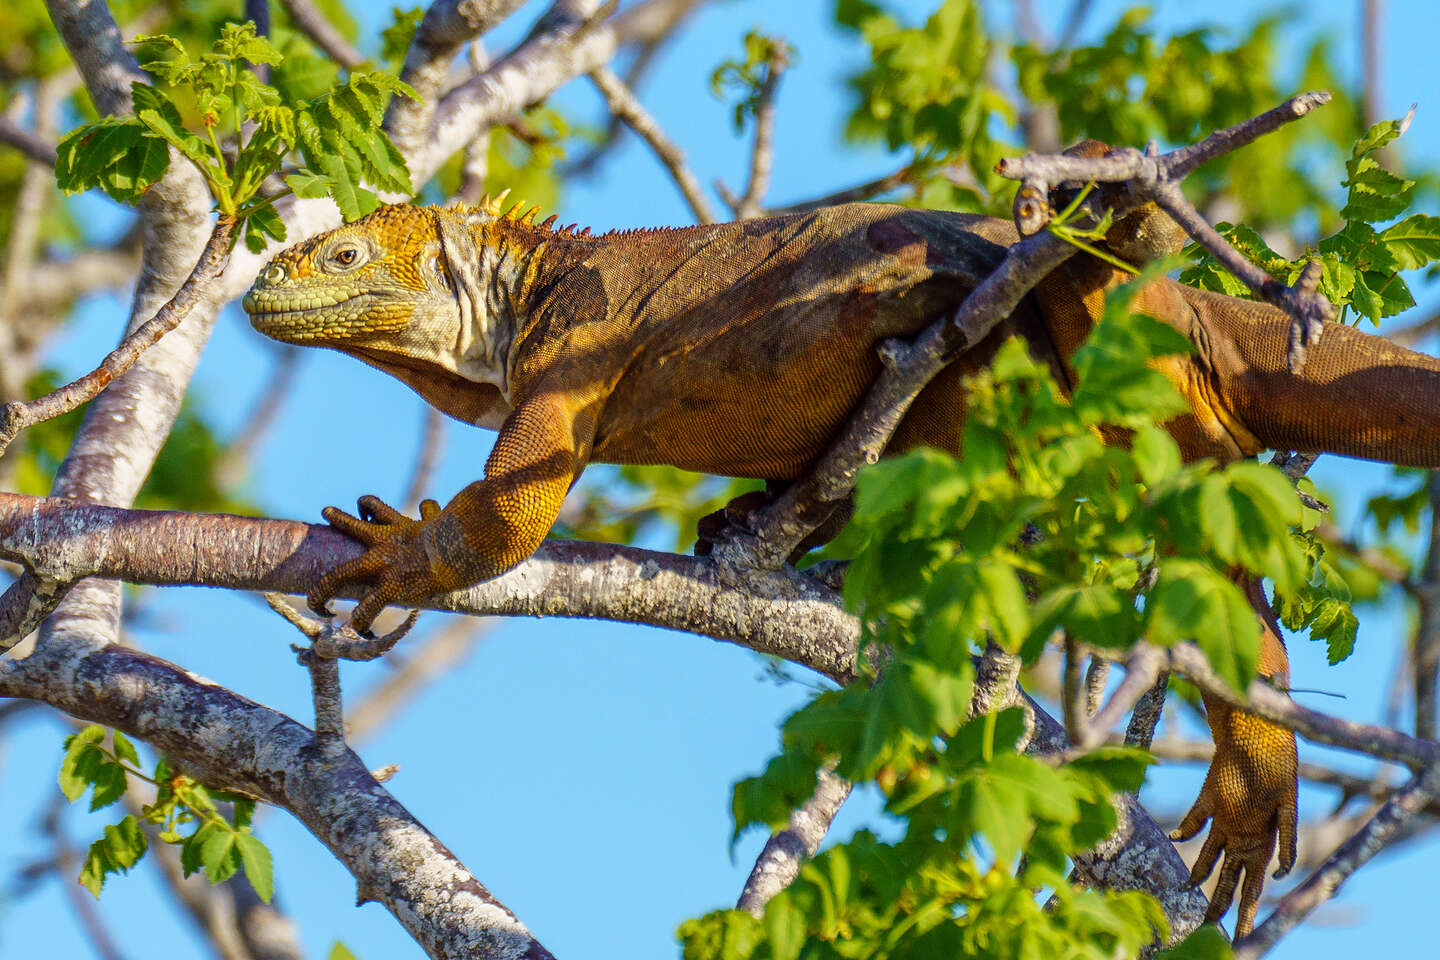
[(1097, 675), (786, 851), (625, 106), (762, 155), (1141, 730), (432, 443), (318, 28), (227, 740), (38, 149), (17, 415), (864, 191), (1141, 670), (1269, 703), (1426, 657), (448, 25)]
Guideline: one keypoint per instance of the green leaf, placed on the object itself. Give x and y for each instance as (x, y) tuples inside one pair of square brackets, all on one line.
[(161, 117), (119, 849), (338, 951), (1192, 601), (1122, 768), (720, 935), (1414, 242), (1205, 943), (218, 853), (124, 749), (119, 155), (77, 766), (255, 857), (1157, 456)]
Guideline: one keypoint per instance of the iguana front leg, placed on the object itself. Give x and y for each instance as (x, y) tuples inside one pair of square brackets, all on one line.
[(489, 527)]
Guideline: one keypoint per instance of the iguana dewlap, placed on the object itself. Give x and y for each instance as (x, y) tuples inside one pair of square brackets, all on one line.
[(740, 348)]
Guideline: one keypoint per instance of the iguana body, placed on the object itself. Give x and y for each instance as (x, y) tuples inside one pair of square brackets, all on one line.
[(740, 349)]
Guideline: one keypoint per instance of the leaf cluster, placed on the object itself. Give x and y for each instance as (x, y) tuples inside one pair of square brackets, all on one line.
[(744, 80), (337, 133), (925, 89), (1362, 265), (185, 812), (1042, 527)]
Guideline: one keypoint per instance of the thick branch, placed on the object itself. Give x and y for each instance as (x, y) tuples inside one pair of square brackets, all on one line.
[(226, 740)]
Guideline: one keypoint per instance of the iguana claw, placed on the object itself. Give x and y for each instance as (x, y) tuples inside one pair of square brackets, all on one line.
[(1250, 795), (395, 561)]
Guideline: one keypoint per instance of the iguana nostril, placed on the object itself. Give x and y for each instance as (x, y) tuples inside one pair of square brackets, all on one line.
[(274, 273)]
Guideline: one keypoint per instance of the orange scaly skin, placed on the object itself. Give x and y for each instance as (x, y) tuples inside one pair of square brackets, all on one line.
[(740, 348)]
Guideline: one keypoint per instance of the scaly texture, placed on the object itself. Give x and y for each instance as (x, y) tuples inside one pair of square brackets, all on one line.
[(741, 348)]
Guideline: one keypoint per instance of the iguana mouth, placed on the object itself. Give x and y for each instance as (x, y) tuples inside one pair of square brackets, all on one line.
[(302, 317)]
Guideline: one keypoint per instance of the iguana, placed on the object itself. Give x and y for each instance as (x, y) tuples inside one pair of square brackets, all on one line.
[(740, 348)]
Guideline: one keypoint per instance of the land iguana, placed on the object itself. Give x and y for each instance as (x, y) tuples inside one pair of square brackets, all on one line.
[(740, 349)]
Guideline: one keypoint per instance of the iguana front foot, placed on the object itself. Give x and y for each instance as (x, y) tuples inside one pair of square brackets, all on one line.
[(395, 560), (1250, 795)]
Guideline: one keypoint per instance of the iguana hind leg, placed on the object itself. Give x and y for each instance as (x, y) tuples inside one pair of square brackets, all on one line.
[(1249, 791)]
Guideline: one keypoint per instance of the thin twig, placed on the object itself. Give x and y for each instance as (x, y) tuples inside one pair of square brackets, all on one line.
[(1141, 669), (1426, 657), (1097, 674), (318, 28), (1270, 704), (762, 155), (38, 149), (1140, 732), (624, 105), (863, 191), (16, 416), (432, 443)]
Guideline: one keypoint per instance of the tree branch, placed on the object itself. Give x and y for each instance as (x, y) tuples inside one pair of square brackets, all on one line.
[(17, 415), (1156, 178), (227, 740), (624, 105), (318, 28), (786, 851)]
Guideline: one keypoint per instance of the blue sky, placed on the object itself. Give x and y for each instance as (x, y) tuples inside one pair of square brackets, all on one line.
[(582, 770)]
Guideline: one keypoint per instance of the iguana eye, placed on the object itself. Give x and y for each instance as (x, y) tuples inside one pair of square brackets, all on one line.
[(345, 257)]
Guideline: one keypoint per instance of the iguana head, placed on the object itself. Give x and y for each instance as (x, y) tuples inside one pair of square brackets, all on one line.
[(404, 289)]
